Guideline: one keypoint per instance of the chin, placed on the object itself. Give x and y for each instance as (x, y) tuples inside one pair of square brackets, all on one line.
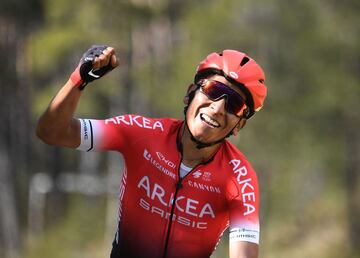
[(202, 135)]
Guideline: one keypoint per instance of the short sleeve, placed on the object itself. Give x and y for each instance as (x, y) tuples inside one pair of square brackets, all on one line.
[(244, 207), (96, 135), (116, 133)]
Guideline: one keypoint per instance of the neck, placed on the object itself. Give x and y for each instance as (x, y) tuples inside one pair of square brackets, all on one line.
[(191, 155)]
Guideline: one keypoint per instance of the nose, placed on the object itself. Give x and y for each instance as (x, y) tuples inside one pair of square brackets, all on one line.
[(218, 106)]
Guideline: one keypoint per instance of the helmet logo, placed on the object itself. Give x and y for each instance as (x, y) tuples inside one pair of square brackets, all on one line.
[(234, 75)]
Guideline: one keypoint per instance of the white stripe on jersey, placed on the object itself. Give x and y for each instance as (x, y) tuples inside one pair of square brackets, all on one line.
[(86, 135), (242, 234)]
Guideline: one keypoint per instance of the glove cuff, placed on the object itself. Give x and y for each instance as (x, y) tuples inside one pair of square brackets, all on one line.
[(75, 77)]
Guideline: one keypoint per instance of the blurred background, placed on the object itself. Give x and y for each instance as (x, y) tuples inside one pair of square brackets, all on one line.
[(304, 144)]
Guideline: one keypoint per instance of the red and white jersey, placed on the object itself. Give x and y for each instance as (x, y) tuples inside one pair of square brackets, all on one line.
[(162, 215)]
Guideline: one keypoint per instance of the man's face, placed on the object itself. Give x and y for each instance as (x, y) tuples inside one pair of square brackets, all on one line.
[(208, 120)]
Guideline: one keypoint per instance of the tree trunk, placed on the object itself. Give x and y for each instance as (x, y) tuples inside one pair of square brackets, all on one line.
[(8, 215), (9, 223), (352, 181)]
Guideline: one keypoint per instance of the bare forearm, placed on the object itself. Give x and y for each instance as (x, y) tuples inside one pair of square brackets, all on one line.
[(242, 249), (57, 125)]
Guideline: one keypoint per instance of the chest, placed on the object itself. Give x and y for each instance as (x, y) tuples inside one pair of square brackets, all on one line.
[(154, 176)]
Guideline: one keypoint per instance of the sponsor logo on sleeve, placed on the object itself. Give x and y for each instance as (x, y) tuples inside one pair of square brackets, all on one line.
[(85, 128), (243, 234), (246, 184)]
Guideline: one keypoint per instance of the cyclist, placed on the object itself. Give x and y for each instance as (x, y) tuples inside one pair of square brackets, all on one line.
[(183, 182)]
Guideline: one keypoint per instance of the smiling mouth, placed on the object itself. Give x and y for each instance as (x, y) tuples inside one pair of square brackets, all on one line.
[(209, 121)]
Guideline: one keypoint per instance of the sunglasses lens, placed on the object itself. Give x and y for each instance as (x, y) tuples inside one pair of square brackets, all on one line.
[(216, 90), (234, 106)]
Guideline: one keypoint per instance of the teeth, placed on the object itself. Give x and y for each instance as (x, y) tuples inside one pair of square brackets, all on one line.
[(209, 120)]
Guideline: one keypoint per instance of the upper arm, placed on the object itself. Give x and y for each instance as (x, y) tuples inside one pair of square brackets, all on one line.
[(69, 137), (243, 249)]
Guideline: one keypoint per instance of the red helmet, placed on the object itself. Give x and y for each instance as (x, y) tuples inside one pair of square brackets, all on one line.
[(240, 70)]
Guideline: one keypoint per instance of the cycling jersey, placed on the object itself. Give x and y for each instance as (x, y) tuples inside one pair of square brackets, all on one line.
[(161, 214)]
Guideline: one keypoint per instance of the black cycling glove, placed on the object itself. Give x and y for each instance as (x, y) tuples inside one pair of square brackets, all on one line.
[(84, 72)]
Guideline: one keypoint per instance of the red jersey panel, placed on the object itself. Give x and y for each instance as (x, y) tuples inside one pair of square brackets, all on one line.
[(162, 215)]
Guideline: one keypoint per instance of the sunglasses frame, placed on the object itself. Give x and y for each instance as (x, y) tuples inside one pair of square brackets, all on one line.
[(233, 97)]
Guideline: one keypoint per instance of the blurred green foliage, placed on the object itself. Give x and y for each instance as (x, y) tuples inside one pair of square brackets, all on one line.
[(79, 233)]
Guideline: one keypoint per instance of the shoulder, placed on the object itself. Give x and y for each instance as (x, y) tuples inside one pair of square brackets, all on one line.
[(242, 176), (236, 159)]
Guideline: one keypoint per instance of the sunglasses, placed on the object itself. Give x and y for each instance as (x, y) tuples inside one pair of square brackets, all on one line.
[(214, 90)]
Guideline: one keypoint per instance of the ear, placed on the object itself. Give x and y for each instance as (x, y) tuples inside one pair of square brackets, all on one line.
[(191, 88), (239, 126)]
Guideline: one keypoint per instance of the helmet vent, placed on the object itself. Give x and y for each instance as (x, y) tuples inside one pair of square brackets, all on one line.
[(261, 81), (244, 61)]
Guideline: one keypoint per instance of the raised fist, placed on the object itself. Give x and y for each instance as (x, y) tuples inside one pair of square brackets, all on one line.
[(94, 64)]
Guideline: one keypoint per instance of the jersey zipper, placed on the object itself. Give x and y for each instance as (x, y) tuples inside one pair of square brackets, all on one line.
[(178, 185)]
